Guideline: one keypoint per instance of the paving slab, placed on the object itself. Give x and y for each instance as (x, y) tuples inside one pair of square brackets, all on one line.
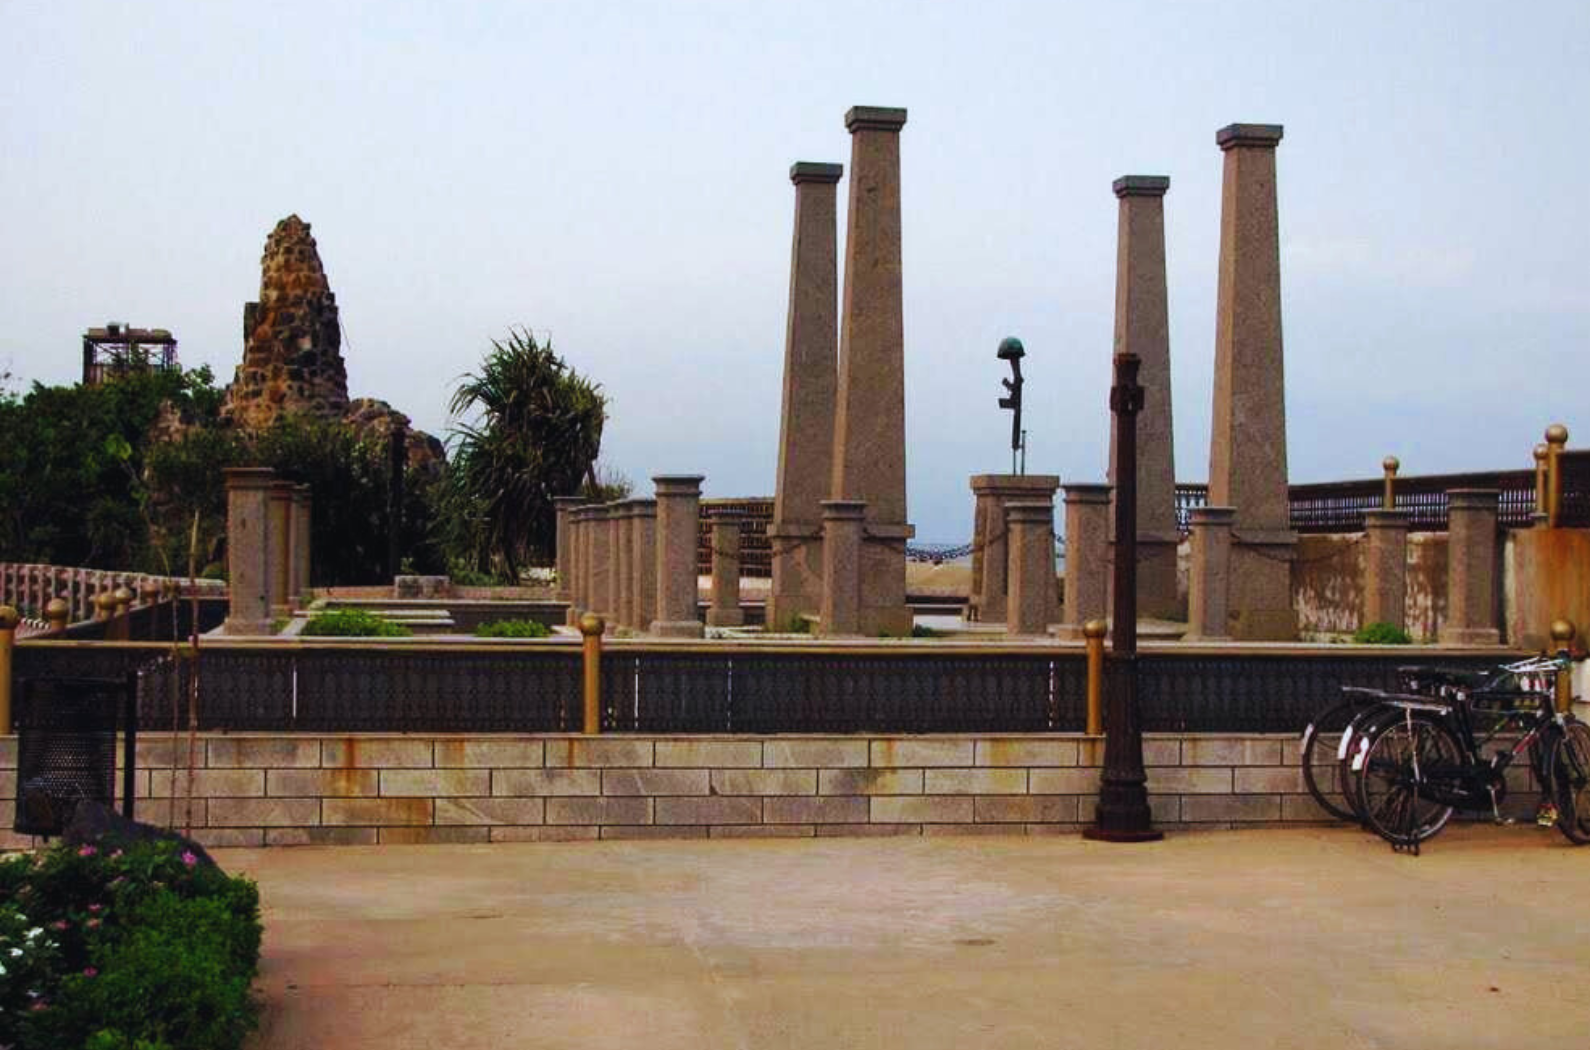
[(1289, 938)]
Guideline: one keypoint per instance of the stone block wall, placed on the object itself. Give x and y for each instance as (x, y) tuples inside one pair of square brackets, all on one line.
[(289, 789)]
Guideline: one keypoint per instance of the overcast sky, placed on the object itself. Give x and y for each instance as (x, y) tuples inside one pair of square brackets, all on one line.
[(616, 175)]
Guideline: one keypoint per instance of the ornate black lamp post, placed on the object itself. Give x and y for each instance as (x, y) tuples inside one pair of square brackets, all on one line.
[(1123, 814)]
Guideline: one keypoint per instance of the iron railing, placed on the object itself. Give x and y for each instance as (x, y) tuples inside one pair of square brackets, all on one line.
[(758, 689)]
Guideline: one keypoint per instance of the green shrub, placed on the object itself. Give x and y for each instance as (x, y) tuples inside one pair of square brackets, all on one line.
[(513, 629), (353, 623), (135, 948), (1380, 633)]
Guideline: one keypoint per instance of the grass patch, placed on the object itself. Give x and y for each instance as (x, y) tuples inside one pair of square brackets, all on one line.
[(513, 629), (353, 623), (1381, 634)]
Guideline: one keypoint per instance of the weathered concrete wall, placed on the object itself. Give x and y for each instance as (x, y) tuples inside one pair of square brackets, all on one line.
[(1546, 577), (1328, 585), (294, 789)]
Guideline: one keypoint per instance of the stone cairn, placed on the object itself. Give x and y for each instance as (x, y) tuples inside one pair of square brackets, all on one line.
[(292, 339)]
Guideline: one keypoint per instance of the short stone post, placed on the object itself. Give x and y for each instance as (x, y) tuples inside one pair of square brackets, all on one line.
[(248, 549), (678, 524), (1031, 608), (303, 545), (643, 555), (1247, 453), (1142, 327), (869, 420), (806, 426), (1386, 568), (623, 564), (1209, 580), (279, 550), (725, 610), (990, 552), (562, 506), (843, 522), (1471, 568), (1087, 556), (9, 619)]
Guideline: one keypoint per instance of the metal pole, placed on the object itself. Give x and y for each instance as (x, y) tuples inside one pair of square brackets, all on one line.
[(1123, 814), (1556, 442), (591, 626), (1388, 500), (1093, 631), (1562, 632)]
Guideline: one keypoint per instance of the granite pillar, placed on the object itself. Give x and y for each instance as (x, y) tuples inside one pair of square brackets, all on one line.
[(869, 421), (643, 560), (990, 556), (576, 523), (1209, 579), (1031, 607), (1386, 567), (1471, 568), (678, 513), (303, 545), (601, 551), (1087, 556), (279, 549), (248, 498), (1142, 327), (623, 564), (562, 506), (725, 610), (844, 522), (1247, 452), (806, 426), (615, 568)]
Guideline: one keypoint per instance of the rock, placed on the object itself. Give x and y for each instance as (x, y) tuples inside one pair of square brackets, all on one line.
[(98, 825)]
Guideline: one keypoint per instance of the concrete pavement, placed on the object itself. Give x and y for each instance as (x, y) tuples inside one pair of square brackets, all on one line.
[(1294, 938)]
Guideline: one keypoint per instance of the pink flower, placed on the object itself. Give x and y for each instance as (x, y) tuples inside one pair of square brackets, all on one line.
[(89, 971), (87, 851), (188, 858), (95, 907), (60, 924), (92, 924), (114, 854), (41, 1004)]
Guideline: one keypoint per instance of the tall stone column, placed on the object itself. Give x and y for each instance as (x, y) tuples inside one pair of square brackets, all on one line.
[(577, 605), (248, 497), (806, 427), (1030, 527), (643, 560), (1247, 451), (623, 564), (990, 556), (725, 610), (869, 425), (1087, 556), (279, 548), (844, 521), (678, 514), (1209, 579), (562, 506), (1386, 567), (615, 566), (1471, 568), (601, 550), (303, 544), (1142, 327)]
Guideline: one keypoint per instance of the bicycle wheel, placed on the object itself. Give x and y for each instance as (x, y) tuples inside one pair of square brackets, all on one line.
[(1570, 774), (1350, 754), (1321, 766), (1402, 761)]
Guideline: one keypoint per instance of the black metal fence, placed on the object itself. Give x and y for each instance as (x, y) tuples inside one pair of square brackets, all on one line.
[(746, 689)]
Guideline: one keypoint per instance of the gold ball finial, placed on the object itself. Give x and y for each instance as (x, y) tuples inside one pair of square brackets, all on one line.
[(105, 601), (122, 595), (1556, 434), (591, 624), (1562, 632), (57, 610), (9, 618), (149, 590), (1094, 629), (1542, 450), (1391, 464)]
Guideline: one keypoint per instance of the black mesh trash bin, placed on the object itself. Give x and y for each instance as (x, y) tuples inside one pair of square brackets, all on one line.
[(66, 747)]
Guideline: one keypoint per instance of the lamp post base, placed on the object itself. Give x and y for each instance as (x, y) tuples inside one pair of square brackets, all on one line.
[(1099, 834)]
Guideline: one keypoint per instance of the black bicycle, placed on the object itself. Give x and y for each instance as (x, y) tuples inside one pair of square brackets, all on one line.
[(1415, 760)]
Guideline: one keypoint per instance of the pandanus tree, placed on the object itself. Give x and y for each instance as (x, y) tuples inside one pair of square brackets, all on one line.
[(529, 429)]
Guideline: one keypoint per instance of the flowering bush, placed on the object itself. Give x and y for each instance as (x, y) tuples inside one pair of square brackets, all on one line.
[(135, 948)]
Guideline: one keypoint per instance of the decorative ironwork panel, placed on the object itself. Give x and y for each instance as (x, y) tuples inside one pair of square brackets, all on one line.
[(1251, 693), (663, 692), (66, 748)]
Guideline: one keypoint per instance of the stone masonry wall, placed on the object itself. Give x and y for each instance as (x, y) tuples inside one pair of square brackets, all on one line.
[(289, 789)]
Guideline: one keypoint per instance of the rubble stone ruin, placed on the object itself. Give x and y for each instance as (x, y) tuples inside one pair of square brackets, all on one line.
[(292, 339)]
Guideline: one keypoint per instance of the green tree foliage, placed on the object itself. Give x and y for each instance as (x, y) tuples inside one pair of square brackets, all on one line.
[(534, 433)]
